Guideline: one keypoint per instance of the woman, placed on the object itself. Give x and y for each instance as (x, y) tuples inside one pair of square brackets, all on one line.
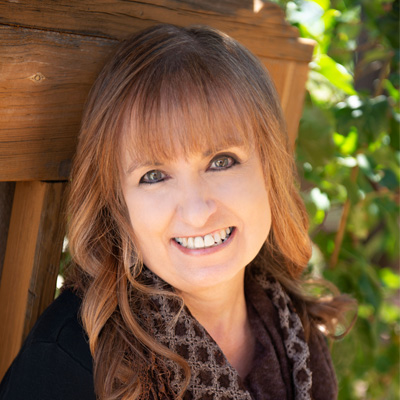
[(188, 239)]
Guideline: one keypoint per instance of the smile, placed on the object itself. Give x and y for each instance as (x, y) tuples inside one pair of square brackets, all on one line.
[(204, 242)]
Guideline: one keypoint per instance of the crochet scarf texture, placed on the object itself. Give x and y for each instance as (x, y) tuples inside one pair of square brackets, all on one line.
[(212, 377)]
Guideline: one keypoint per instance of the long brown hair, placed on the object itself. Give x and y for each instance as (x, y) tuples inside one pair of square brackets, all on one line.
[(168, 88)]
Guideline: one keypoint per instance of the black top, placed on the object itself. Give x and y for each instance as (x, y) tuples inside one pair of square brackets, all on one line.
[(55, 362)]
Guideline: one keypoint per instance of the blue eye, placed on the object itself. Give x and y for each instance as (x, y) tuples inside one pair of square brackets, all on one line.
[(153, 176), (222, 162)]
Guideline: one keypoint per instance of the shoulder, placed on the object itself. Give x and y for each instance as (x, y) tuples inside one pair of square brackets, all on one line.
[(55, 361), (60, 325)]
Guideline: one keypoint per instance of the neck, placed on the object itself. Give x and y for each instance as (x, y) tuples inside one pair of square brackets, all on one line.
[(222, 311), (218, 307)]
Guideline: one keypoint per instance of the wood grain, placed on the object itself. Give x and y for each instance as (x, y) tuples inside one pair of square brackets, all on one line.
[(31, 262), (222, 6), (290, 78), (6, 200), (117, 17), (44, 80), (265, 32), (46, 263)]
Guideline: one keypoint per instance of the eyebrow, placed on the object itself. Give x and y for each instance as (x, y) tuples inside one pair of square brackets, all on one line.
[(141, 164)]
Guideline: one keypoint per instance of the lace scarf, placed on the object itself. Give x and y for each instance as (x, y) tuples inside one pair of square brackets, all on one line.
[(212, 376)]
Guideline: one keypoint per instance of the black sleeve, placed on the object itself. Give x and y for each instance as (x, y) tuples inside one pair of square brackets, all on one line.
[(45, 371)]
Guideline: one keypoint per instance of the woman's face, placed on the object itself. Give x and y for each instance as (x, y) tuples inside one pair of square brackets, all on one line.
[(198, 220)]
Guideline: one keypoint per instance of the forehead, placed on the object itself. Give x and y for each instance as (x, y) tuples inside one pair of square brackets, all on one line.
[(169, 134), (168, 147), (187, 111)]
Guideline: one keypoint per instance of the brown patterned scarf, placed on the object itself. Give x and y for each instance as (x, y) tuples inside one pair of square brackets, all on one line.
[(212, 375)]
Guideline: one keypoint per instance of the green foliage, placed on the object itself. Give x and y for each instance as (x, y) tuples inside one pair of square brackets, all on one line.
[(348, 155)]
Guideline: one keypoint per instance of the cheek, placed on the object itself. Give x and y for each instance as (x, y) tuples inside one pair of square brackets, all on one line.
[(255, 207), (147, 215), (260, 214), (249, 195)]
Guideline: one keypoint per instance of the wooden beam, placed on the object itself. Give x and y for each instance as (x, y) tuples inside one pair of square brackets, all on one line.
[(290, 78), (6, 200), (118, 18), (221, 6), (31, 262), (44, 81)]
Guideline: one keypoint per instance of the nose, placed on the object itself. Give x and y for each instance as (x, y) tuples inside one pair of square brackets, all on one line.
[(196, 204)]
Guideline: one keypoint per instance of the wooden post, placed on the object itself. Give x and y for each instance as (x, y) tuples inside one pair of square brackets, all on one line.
[(31, 262), (6, 199)]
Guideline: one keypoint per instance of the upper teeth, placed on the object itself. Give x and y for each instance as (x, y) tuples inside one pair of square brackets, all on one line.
[(200, 242)]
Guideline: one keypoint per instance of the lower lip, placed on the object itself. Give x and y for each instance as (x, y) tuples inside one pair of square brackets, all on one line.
[(205, 251)]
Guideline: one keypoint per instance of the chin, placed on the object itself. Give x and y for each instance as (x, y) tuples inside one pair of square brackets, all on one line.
[(209, 276)]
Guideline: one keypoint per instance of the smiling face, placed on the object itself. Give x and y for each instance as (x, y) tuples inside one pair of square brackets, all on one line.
[(190, 107), (198, 220)]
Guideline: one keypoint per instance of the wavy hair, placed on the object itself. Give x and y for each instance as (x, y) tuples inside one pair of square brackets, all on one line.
[(166, 90)]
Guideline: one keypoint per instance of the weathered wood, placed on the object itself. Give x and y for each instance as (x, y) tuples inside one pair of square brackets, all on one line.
[(118, 18), (44, 80), (6, 199), (290, 79), (31, 262), (47, 255), (222, 6)]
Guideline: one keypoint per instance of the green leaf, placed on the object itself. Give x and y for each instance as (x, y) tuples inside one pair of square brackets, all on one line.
[(394, 132), (343, 127), (308, 15), (324, 4), (389, 180), (335, 73), (390, 313), (323, 92), (330, 18), (393, 92), (358, 222), (320, 199), (352, 190), (370, 291), (315, 136), (365, 164), (349, 144), (389, 278), (365, 311), (338, 139)]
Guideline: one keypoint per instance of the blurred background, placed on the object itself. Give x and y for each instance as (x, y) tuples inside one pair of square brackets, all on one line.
[(348, 161)]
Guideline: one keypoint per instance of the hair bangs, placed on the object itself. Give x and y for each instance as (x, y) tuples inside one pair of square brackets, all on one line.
[(186, 113)]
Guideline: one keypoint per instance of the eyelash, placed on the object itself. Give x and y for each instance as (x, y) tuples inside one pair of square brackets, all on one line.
[(142, 179), (232, 161)]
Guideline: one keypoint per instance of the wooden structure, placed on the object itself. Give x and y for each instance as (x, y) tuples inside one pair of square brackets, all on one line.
[(50, 54)]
